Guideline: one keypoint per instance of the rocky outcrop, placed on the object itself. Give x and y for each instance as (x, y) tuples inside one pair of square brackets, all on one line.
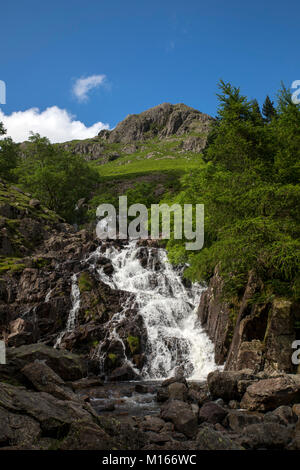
[(270, 393), (249, 334), (47, 414), (162, 120)]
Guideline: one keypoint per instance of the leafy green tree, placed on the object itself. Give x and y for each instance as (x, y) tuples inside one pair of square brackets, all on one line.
[(8, 156), (268, 109), (2, 130), (56, 177)]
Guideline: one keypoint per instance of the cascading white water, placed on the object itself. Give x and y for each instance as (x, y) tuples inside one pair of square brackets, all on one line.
[(75, 301), (168, 308)]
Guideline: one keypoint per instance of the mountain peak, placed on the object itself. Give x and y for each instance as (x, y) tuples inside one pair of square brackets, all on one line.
[(162, 120)]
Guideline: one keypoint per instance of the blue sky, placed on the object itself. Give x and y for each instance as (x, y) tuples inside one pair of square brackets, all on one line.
[(149, 53)]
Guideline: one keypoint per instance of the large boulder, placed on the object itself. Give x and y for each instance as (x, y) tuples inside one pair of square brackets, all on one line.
[(178, 391), (67, 365), (209, 439), (224, 384), (266, 436), (182, 416), (237, 420), (212, 413), (18, 430), (270, 393), (45, 379)]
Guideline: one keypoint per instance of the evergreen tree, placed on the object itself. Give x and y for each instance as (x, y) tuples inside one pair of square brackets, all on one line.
[(256, 114), (268, 109)]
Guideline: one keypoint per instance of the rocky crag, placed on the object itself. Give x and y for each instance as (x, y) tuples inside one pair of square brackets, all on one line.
[(165, 121), (251, 335)]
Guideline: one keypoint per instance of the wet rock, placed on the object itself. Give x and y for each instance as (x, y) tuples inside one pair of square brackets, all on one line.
[(140, 388), (87, 382), (210, 439), (178, 391), (270, 393), (181, 415), (162, 394), (212, 413), (122, 373), (176, 379)]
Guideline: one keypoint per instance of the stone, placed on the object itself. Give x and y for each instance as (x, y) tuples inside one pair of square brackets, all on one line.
[(18, 429), (162, 395), (285, 415), (181, 415), (296, 409), (210, 439), (44, 379), (178, 391), (266, 436), (224, 384), (212, 413), (152, 423), (86, 382), (67, 365), (237, 420), (123, 373), (140, 388), (268, 394)]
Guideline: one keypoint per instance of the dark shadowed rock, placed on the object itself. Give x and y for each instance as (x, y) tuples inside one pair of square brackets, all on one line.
[(266, 436), (181, 415), (67, 365), (162, 394), (152, 423), (86, 382), (45, 379), (284, 415), (237, 420), (86, 436), (178, 391), (122, 373), (224, 384), (18, 430), (209, 439), (212, 413)]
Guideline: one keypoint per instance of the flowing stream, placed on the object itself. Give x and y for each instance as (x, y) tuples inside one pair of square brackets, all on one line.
[(175, 338), (168, 308)]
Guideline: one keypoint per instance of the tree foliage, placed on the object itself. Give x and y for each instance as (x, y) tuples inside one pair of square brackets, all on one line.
[(58, 178), (250, 189)]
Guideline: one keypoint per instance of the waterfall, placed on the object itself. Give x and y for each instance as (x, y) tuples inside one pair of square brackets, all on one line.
[(168, 308), (75, 302)]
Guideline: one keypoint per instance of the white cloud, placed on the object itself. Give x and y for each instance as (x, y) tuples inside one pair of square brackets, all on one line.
[(83, 85), (55, 123)]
